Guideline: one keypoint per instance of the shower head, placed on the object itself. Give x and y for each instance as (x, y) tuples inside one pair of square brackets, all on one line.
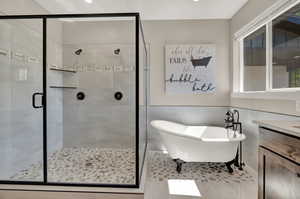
[(78, 52), (117, 51)]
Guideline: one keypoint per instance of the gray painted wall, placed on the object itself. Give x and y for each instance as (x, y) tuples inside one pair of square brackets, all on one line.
[(160, 33)]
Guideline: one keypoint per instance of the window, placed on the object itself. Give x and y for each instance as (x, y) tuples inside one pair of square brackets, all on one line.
[(255, 61), (294, 78), (286, 49), (271, 54)]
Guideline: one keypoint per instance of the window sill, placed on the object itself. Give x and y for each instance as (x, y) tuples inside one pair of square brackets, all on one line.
[(286, 94)]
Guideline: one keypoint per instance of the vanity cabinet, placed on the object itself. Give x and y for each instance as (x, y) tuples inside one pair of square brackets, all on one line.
[(279, 165)]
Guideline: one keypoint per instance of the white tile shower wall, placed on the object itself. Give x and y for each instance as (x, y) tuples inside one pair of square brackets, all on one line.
[(250, 145), (99, 120), (191, 115)]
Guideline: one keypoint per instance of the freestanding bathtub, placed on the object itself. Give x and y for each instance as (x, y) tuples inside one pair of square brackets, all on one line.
[(198, 143)]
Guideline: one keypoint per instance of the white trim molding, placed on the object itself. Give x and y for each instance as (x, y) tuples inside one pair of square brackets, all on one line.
[(268, 15), (275, 95)]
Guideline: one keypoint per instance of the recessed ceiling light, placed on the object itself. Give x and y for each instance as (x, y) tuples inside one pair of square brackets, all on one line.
[(196, 0), (89, 1)]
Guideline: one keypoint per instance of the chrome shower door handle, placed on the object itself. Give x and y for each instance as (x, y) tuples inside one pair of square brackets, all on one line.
[(34, 101)]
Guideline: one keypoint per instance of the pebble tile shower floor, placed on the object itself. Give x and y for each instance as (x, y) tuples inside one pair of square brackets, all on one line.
[(85, 165)]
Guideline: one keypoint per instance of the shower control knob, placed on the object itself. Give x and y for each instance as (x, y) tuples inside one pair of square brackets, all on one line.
[(118, 95), (80, 96)]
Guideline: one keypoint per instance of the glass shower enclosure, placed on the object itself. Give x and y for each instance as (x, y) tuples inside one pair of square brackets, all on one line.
[(73, 108)]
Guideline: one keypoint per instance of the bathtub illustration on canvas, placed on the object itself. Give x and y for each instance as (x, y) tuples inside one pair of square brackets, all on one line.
[(190, 69), (201, 61)]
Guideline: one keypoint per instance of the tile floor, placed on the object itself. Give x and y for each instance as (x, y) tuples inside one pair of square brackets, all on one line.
[(197, 181)]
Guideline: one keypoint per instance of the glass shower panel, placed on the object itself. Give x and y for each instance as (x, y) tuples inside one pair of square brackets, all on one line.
[(91, 101), (21, 112), (143, 93)]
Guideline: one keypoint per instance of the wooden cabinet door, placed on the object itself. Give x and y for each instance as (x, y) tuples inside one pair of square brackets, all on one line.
[(279, 178)]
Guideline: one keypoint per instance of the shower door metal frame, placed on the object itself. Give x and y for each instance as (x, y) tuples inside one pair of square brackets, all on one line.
[(44, 18)]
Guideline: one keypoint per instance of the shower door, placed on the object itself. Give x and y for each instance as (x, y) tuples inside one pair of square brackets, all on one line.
[(91, 89), (21, 107)]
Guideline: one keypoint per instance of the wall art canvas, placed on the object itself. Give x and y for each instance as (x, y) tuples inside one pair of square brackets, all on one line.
[(190, 69)]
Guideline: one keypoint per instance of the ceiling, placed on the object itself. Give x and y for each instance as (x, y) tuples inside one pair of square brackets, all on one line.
[(150, 9)]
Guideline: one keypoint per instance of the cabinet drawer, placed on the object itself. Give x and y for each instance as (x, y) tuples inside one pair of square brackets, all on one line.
[(285, 145)]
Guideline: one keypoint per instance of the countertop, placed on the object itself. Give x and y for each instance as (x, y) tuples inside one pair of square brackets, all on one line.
[(288, 127)]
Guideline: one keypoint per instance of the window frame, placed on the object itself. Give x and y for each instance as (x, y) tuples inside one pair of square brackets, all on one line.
[(242, 64), (265, 20)]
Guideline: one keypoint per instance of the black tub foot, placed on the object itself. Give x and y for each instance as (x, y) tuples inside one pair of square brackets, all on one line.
[(228, 165), (241, 166), (178, 165)]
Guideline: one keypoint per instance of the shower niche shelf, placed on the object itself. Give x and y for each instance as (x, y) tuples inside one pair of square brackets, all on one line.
[(66, 87), (63, 70)]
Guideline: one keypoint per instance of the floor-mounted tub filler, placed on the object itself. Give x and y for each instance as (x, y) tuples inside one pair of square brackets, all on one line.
[(198, 143)]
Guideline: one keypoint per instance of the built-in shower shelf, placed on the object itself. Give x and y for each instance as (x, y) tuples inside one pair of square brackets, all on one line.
[(64, 70), (67, 87)]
